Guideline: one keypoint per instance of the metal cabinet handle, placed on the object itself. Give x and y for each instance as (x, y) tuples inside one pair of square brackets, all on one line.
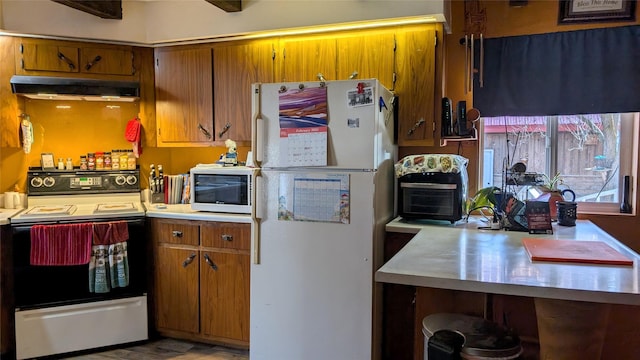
[(226, 128), (176, 233), (61, 56), (210, 262), (227, 237), (204, 131), (415, 127), (93, 62), (188, 260)]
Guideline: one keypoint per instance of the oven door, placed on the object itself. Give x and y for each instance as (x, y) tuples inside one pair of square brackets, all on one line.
[(47, 286), (430, 201)]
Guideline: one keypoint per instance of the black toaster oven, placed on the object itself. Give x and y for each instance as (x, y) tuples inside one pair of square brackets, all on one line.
[(432, 195)]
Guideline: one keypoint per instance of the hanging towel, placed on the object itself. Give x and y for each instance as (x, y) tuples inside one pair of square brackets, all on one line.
[(109, 267), (61, 244)]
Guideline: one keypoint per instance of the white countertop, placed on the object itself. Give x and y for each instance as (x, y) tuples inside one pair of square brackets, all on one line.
[(461, 257), (6, 214), (184, 212)]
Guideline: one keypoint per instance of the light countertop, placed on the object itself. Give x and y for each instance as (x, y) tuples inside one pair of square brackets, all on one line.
[(184, 212), (461, 257), (6, 214)]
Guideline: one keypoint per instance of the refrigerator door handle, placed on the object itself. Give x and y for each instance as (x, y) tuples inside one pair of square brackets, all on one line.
[(259, 213), (257, 125)]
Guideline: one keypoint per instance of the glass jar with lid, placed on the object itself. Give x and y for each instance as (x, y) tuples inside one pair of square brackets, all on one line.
[(107, 160)]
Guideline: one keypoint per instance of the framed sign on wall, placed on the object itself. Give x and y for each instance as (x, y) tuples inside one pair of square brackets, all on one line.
[(583, 11)]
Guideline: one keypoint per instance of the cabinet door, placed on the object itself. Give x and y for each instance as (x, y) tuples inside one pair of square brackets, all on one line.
[(367, 55), (176, 288), (107, 61), (235, 68), (225, 235), (305, 58), (416, 85), (224, 293), (9, 109), (184, 96), (47, 55)]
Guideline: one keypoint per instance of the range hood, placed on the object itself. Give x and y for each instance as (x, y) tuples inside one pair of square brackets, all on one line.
[(58, 88)]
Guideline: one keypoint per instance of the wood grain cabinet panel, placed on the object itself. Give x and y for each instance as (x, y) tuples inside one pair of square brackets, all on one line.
[(202, 280), (304, 58), (418, 60), (235, 67), (367, 55), (184, 96), (62, 58)]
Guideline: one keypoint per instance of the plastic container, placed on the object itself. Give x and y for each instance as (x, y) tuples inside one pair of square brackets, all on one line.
[(83, 163), (124, 159), (91, 161), (107, 160), (115, 159), (99, 160), (482, 339)]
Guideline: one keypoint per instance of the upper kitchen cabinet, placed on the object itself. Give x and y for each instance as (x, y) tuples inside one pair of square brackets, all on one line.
[(184, 96), (9, 103), (419, 69), (369, 54), (56, 58), (308, 58), (236, 66)]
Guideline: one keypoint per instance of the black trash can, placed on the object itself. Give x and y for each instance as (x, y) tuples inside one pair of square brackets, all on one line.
[(458, 336)]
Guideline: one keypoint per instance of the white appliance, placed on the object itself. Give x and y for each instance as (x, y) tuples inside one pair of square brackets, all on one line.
[(320, 223), (224, 189)]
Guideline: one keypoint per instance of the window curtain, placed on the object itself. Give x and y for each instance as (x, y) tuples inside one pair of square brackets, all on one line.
[(564, 73)]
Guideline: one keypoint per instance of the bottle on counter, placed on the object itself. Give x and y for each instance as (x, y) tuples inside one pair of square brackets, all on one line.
[(69, 164), (107, 160), (60, 164)]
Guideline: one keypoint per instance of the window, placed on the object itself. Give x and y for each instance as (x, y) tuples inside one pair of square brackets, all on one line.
[(591, 153)]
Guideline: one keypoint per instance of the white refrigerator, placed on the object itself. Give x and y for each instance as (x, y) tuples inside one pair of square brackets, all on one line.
[(324, 194)]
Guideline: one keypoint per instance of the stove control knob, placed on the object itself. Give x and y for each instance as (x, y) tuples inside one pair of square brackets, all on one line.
[(36, 182), (132, 180), (120, 180), (49, 181)]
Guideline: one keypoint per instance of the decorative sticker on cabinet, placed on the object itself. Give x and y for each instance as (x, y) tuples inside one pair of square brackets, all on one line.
[(303, 126), (314, 197)]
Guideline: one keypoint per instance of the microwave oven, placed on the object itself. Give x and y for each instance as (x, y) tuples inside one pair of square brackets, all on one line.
[(434, 196), (222, 189)]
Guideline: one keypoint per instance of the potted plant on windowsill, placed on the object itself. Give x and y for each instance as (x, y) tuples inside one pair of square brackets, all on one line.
[(549, 192)]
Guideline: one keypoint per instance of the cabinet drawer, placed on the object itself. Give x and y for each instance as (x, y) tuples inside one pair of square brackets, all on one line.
[(226, 235), (175, 232)]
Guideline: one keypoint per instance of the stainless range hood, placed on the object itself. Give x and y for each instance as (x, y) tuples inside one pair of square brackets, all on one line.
[(58, 88)]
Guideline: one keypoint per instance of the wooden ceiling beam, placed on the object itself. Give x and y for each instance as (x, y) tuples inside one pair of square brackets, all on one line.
[(227, 5), (106, 9)]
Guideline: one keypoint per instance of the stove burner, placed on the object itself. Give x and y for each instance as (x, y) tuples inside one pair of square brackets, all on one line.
[(44, 210)]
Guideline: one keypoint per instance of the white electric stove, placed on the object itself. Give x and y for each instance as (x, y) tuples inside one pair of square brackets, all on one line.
[(56, 311)]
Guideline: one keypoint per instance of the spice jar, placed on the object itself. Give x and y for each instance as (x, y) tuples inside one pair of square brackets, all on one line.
[(60, 164), (107, 160), (124, 159), (91, 161), (69, 164), (131, 161), (115, 159), (83, 162), (99, 160)]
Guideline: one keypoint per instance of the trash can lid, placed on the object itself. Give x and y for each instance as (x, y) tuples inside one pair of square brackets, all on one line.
[(483, 339)]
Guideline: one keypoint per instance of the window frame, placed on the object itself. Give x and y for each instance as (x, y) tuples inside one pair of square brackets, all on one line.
[(629, 122)]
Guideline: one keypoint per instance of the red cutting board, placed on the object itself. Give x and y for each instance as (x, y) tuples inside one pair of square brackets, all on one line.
[(574, 251)]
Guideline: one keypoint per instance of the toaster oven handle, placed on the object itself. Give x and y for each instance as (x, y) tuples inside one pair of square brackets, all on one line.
[(429, 186)]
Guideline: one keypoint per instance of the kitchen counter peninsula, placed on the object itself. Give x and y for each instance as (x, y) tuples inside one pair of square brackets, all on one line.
[(463, 258)]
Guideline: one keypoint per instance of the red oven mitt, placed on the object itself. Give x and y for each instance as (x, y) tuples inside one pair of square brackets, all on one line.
[(132, 135)]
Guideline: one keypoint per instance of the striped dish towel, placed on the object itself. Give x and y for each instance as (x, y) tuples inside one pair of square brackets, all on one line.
[(61, 244)]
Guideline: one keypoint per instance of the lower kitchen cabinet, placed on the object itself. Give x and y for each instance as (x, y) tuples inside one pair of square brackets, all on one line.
[(201, 285)]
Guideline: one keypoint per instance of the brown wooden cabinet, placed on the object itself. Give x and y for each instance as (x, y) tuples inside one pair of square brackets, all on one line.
[(9, 104), (369, 54), (305, 58), (201, 287), (56, 57), (184, 96), (236, 66), (419, 63)]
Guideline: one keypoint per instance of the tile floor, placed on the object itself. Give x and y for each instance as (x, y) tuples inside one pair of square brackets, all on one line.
[(167, 349)]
